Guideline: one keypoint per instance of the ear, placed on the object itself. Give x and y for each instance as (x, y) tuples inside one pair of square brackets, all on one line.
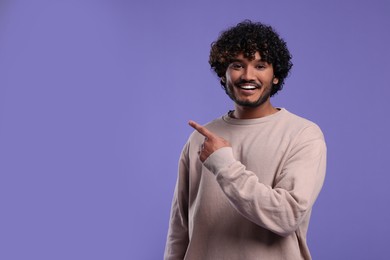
[(223, 79), (275, 80)]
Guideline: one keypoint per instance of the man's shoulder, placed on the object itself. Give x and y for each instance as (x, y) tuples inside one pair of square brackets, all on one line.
[(215, 122), (302, 124), (297, 119)]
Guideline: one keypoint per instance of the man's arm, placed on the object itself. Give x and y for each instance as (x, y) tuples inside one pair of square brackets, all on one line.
[(280, 208), (177, 239)]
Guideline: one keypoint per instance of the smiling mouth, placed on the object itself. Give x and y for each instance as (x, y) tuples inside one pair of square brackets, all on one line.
[(247, 87)]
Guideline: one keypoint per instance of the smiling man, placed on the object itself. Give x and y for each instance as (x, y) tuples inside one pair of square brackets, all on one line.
[(248, 180)]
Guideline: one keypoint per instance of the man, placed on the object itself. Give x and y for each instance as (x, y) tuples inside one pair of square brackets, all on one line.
[(247, 181)]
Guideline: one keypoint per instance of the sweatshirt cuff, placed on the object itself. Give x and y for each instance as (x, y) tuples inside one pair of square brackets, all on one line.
[(219, 159)]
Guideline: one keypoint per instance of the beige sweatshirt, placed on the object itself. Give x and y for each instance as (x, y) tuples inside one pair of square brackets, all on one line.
[(252, 200)]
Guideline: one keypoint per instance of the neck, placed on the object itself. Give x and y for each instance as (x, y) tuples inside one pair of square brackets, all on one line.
[(263, 110)]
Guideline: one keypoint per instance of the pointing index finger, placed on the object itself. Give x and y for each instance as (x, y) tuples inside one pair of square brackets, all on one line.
[(201, 129)]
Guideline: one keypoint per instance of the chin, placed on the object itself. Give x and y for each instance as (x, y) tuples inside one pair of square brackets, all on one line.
[(251, 103)]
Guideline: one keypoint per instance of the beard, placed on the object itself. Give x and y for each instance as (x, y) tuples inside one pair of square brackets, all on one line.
[(250, 104)]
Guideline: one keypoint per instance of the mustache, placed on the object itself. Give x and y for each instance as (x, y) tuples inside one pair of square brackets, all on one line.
[(250, 82)]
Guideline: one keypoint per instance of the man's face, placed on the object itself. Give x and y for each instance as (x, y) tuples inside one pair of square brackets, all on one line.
[(249, 82)]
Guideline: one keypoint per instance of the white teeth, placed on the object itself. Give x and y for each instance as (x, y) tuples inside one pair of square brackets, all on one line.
[(249, 87)]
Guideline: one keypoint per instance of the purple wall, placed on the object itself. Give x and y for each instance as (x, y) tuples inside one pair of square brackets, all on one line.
[(94, 102)]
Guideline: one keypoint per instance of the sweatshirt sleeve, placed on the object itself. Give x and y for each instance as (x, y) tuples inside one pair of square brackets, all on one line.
[(282, 207), (177, 238)]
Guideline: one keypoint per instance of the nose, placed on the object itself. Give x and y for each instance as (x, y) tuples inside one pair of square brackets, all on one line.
[(248, 74)]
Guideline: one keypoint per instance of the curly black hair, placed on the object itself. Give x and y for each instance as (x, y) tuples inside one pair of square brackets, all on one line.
[(248, 37)]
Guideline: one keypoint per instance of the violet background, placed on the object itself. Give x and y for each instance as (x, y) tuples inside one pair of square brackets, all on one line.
[(94, 102)]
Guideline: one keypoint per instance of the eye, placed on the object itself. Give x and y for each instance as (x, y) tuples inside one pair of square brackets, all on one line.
[(260, 66), (236, 66)]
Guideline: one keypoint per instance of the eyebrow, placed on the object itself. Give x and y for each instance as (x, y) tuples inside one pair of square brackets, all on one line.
[(241, 60)]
